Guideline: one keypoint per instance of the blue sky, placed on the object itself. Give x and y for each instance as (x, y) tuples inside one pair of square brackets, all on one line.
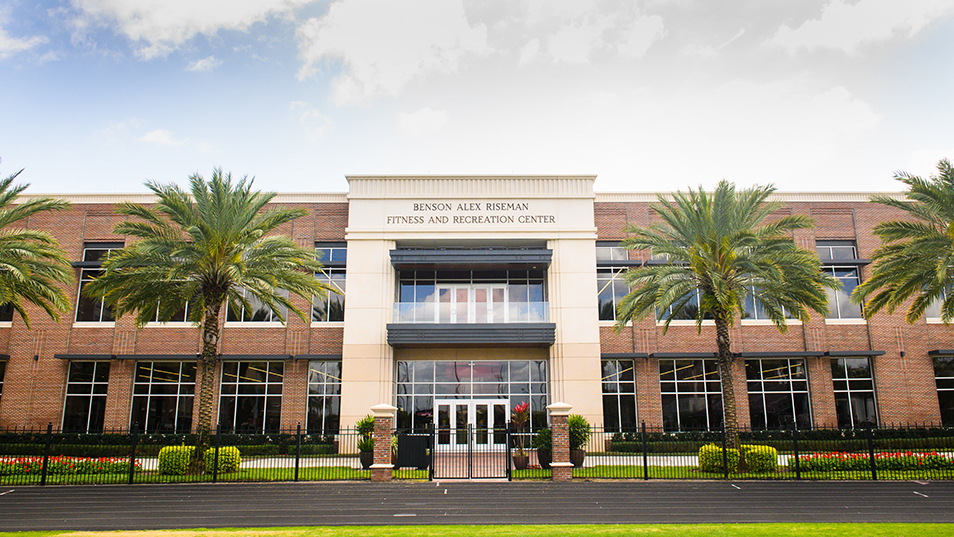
[(654, 95)]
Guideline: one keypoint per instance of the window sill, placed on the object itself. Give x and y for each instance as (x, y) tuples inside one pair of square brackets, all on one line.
[(327, 324), (686, 322), (928, 320), (254, 324), (767, 322), (846, 321), (92, 324), (6, 324), (170, 325)]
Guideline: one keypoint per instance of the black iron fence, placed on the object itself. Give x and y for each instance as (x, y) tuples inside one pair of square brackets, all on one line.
[(52, 457), (909, 452)]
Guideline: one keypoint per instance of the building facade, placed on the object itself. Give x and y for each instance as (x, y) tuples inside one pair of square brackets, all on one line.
[(461, 297)]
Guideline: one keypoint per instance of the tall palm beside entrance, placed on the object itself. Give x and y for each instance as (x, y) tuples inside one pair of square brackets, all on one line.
[(916, 256), (198, 251), (33, 268), (721, 247)]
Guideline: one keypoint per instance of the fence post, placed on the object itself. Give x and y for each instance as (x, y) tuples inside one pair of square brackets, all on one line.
[(46, 452), (297, 450), (132, 452), (215, 458), (432, 431), (645, 456), (798, 470), (509, 457), (871, 457), (725, 455)]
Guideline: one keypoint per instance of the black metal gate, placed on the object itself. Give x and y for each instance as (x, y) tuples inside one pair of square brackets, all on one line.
[(469, 453)]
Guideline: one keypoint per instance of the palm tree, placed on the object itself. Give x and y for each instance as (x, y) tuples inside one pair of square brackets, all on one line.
[(199, 251), (916, 256), (33, 268), (722, 247)]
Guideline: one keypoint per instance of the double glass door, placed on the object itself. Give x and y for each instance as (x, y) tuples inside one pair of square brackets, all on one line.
[(471, 304), (474, 423)]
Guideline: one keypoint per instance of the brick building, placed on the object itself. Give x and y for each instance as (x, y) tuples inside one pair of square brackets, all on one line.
[(464, 297)]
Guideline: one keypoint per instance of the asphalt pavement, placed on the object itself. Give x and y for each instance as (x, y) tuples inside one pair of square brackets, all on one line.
[(123, 507)]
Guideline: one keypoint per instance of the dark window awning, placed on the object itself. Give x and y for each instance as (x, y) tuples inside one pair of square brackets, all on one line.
[(158, 357), (941, 352), (319, 357), (84, 357), (623, 355), (254, 357), (781, 354), (848, 354), (4, 357), (483, 258)]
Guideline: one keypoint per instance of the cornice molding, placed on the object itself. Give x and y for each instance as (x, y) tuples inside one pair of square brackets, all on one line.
[(107, 199), (788, 197), (470, 186)]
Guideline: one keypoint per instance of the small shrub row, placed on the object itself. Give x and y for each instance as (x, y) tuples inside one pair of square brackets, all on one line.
[(847, 462), (175, 460), (65, 466), (755, 458)]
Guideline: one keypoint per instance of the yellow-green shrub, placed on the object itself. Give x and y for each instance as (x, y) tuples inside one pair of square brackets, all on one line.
[(710, 458), (760, 458), (229, 459), (174, 460)]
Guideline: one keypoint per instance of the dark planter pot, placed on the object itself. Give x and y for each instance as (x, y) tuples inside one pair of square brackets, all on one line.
[(576, 457), (520, 462), (544, 457), (366, 458)]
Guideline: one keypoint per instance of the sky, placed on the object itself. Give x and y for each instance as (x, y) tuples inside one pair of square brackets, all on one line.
[(648, 95)]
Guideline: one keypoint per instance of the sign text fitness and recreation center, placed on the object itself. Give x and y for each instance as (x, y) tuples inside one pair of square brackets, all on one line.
[(470, 212)]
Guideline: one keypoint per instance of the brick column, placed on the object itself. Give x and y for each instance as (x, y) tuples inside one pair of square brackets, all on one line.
[(561, 469), (382, 469)]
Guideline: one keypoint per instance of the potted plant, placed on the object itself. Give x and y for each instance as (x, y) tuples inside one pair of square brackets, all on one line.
[(365, 429), (543, 442), (519, 418), (579, 430)]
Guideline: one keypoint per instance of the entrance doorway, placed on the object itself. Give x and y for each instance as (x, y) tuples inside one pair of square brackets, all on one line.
[(471, 438)]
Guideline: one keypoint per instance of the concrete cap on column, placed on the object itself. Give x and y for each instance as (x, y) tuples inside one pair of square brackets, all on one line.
[(383, 410), (559, 409)]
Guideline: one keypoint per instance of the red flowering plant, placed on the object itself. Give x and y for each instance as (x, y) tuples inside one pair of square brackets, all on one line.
[(519, 417), (903, 461)]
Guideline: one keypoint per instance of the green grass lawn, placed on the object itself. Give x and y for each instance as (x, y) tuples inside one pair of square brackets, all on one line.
[(609, 530)]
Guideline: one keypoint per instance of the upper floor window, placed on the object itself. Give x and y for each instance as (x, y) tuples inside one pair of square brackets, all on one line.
[(830, 253), (834, 251), (332, 253), (256, 312), (933, 311), (334, 257), (611, 251), (6, 313), (688, 313), (754, 309), (87, 309), (471, 296), (610, 290)]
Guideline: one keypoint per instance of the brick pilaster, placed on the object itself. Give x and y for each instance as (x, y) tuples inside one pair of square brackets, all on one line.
[(382, 469), (561, 469)]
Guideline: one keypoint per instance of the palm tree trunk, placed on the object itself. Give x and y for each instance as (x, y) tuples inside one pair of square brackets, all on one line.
[(726, 360), (207, 361)]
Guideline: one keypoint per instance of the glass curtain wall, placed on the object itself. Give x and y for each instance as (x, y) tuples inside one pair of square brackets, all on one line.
[(944, 378), (778, 393), (251, 397), (163, 394), (619, 395), (854, 391), (691, 394), (86, 386), (324, 397)]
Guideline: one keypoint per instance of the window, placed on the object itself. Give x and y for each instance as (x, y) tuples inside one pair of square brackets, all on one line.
[(86, 387), (420, 382), (830, 253), (324, 397), (778, 393), (6, 313), (833, 251), (754, 310), (163, 394), (854, 391), (251, 396), (88, 310), (619, 395), (611, 251), (180, 316), (610, 289), (471, 296), (691, 394), (687, 314), (330, 308), (944, 378), (3, 372), (257, 312), (933, 311), (332, 253)]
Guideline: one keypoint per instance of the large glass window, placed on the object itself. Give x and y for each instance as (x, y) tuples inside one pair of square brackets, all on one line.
[(778, 393), (163, 394), (854, 391), (89, 310), (619, 395), (324, 397), (257, 312), (3, 373), (330, 308), (686, 314), (944, 378), (691, 394), (471, 296), (251, 396), (86, 386), (610, 290), (6, 313), (611, 251), (755, 311), (933, 311), (830, 253), (420, 382)]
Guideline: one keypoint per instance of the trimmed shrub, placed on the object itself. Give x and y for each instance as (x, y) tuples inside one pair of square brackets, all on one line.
[(579, 430), (760, 458), (543, 440), (174, 460), (229, 459), (710, 458)]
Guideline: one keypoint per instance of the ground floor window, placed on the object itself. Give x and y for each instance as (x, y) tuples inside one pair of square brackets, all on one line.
[(854, 391), (619, 395), (3, 372), (324, 397), (691, 394), (163, 394), (251, 396), (778, 393), (86, 386), (419, 383), (944, 377)]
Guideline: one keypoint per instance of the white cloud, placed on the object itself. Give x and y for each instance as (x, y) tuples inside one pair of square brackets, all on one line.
[(12, 45), (423, 122), (644, 32), (529, 51), (847, 26), (384, 44), (161, 26), (161, 137), (205, 64), (923, 162), (312, 120)]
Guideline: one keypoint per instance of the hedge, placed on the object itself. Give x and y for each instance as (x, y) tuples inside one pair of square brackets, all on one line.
[(710, 458), (760, 459), (845, 462), (66, 466), (229, 459)]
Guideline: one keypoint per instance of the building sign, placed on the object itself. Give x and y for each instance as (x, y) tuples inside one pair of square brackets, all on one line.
[(471, 212)]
